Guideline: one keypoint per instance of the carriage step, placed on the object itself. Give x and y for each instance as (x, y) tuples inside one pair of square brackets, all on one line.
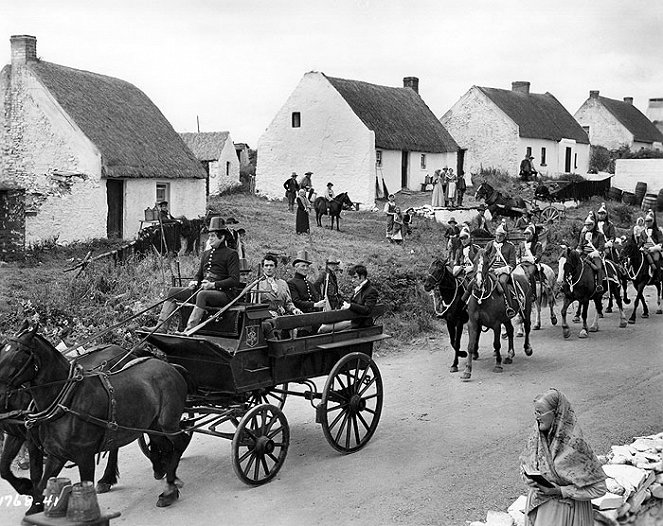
[(354, 341)]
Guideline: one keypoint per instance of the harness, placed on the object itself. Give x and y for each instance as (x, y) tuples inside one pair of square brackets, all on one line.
[(446, 306)]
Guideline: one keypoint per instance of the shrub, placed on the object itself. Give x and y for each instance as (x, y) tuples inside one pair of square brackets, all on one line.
[(599, 159)]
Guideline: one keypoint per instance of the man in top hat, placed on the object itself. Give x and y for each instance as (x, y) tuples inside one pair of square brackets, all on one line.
[(592, 244), (527, 168), (480, 222), (305, 294), (501, 255), (650, 241), (329, 195), (215, 282), (291, 186), (327, 284)]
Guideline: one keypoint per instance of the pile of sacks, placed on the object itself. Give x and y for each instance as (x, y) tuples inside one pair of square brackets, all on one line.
[(635, 488)]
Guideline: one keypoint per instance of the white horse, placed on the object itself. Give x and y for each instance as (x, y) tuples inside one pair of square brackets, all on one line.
[(544, 295)]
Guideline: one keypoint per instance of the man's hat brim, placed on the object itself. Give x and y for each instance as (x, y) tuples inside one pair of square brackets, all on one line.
[(300, 260)]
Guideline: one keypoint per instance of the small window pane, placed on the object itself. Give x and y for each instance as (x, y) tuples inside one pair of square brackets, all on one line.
[(296, 119), (423, 161), (543, 156), (378, 158)]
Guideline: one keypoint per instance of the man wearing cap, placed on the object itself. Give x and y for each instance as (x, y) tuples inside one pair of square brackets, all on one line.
[(592, 244), (329, 195), (327, 284), (164, 213), (650, 241), (451, 235), (305, 294), (291, 186), (463, 262), (480, 222), (501, 256), (527, 168), (216, 280)]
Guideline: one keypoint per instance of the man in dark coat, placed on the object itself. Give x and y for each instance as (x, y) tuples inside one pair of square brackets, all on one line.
[(480, 222), (305, 294), (527, 168), (501, 256), (327, 284), (291, 186)]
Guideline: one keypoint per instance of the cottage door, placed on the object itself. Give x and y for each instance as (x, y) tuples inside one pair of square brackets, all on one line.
[(567, 161), (404, 169), (460, 161), (115, 199)]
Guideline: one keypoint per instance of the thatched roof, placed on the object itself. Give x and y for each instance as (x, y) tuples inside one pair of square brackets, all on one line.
[(633, 120), (206, 146), (398, 116), (133, 136), (538, 115)]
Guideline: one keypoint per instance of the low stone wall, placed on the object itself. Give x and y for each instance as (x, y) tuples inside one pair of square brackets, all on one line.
[(12, 224)]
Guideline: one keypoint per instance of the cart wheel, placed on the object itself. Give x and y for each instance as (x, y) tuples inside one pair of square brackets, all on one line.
[(260, 444), (270, 395), (351, 403), (550, 214)]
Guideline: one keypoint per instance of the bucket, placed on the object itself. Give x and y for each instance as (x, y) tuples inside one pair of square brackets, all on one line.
[(649, 201), (640, 191), (659, 201), (83, 505), (56, 496), (614, 194), (628, 198)]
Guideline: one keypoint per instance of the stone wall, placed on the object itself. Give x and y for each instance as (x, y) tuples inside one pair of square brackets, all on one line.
[(12, 224), (604, 128)]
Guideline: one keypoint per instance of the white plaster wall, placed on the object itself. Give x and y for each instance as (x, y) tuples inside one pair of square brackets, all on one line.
[(555, 156), (604, 129), (628, 172), (186, 198), (332, 142), (390, 170), (490, 137), (218, 180)]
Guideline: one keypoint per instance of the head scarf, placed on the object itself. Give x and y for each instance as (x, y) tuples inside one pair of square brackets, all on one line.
[(561, 455)]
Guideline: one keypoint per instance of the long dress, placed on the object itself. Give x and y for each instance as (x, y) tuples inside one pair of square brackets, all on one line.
[(438, 192), (390, 210), (302, 225), (451, 187)]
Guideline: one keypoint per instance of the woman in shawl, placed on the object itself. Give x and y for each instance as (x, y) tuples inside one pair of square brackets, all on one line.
[(438, 191), (301, 220), (558, 453)]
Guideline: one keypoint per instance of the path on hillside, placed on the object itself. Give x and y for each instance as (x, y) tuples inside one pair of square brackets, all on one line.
[(445, 452)]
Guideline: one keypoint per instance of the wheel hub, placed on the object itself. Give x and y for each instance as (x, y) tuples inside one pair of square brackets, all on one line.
[(357, 404), (264, 446)]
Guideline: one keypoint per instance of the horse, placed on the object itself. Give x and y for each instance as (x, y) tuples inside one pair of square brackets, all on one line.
[(486, 307), (80, 413), (335, 206), (543, 293), (637, 270), (498, 204), (445, 288)]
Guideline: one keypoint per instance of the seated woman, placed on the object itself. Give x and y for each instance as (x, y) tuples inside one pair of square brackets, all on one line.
[(363, 300)]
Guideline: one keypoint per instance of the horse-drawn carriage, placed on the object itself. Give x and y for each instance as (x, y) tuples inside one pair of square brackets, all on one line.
[(500, 205), (243, 375)]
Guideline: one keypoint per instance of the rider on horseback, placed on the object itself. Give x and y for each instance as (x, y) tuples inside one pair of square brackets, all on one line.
[(650, 242), (463, 263), (592, 244), (329, 195), (501, 255), (529, 255)]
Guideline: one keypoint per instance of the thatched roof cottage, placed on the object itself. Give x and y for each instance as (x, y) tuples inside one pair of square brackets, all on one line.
[(216, 153), (362, 137), (499, 127), (91, 151)]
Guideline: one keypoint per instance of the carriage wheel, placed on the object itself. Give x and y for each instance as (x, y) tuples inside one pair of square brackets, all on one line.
[(260, 444), (550, 214), (270, 395), (351, 403)]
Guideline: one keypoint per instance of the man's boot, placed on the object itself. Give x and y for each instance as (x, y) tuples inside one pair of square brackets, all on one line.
[(600, 278), (510, 312), (195, 318), (164, 318)]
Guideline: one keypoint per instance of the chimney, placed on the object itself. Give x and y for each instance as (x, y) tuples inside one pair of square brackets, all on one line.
[(628, 100), (412, 83), (655, 110), (24, 49), (594, 94), (520, 86)]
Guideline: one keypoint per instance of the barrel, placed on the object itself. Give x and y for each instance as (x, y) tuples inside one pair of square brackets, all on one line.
[(614, 194), (659, 201), (649, 201), (640, 191), (83, 505), (628, 198)]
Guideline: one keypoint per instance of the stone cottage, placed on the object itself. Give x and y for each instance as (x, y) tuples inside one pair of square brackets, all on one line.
[(498, 127), (613, 123), (243, 154), (361, 137), (216, 153), (91, 152)]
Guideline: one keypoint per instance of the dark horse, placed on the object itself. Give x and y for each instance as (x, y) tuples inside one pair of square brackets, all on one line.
[(446, 290), (486, 308), (340, 202), (80, 413), (637, 270), (498, 204)]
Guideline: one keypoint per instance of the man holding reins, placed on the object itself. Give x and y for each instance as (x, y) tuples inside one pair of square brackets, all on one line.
[(501, 255)]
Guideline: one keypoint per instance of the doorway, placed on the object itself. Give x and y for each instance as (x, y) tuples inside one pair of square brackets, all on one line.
[(404, 169), (460, 161), (115, 200), (567, 160)]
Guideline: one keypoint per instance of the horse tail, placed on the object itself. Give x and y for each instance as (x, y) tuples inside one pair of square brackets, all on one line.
[(191, 385)]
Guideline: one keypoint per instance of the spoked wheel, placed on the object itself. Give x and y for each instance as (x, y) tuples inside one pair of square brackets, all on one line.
[(351, 403), (550, 214), (260, 444), (270, 395)]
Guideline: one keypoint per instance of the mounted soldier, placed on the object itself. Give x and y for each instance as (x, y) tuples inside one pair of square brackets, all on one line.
[(501, 255), (529, 256), (605, 226), (650, 242), (592, 245), (463, 263)]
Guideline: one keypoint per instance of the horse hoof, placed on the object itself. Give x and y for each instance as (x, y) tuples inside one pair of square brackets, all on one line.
[(608, 310), (631, 321), (498, 369), (626, 301), (659, 311), (453, 369), (166, 500), (103, 487), (583, 334), (508, 360), (475, 355), (553, 320), (567, 333), (644, 315), (519, 334), (600, 315), (465, 377), (461, 354), (576, 320), (158, 475), (537, 327), (528, 351), (593, 328), (622, 324), (504, 336)]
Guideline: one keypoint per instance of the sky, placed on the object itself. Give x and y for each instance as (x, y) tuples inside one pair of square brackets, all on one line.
[(233, 64)]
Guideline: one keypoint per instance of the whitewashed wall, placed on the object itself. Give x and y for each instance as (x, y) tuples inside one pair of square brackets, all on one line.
[(218, 180), (628, 172), (332, 142), (604, 129)]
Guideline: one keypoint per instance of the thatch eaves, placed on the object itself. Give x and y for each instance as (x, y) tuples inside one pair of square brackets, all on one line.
[(206, 146), (133, 136), (399, 117), (538, 115), (633, 120)]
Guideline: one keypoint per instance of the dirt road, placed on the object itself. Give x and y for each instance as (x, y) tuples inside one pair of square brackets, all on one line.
[(445, 452)]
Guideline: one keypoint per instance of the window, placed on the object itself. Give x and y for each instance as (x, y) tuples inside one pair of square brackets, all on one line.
[(575, 161), (529, 151), (543, 156), (296, 119), (163, 192), (378, 157), (227, 168), (423, 161)]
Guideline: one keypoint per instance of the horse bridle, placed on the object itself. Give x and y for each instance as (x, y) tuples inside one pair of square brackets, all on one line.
[(436, 283), (31, 361)]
